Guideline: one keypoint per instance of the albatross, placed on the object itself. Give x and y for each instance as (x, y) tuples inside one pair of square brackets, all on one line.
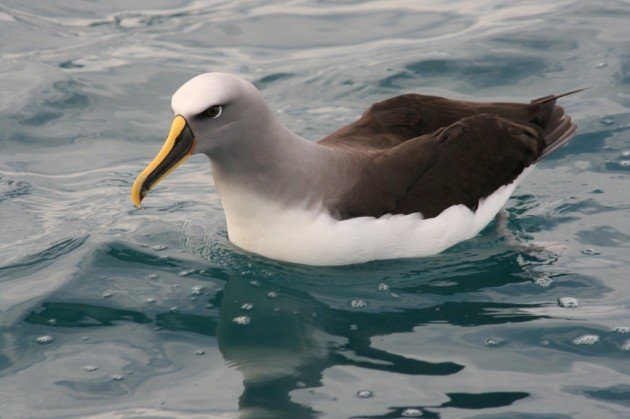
[(414, 175)]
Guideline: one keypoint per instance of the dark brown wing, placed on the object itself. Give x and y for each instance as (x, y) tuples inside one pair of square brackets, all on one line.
[(399, 119), (459, 164)]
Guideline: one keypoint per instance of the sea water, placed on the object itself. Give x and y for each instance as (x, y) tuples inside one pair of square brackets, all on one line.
[(108, 310)]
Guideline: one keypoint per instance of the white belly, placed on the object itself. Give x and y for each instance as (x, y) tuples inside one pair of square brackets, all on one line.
[(315, 238)]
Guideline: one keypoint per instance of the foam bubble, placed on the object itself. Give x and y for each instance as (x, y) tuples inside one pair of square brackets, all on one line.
[(586, 340), (364, 394), (568, 302), (242, 320), (45, 339)]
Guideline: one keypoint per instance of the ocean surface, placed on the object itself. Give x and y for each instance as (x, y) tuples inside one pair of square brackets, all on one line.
[(111, 311)]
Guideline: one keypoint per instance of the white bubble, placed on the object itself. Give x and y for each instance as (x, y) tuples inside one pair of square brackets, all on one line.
[(586, 340), (90, 368), (52, 322), (494, 341), (154, 276), (601, 64), (150, 300), (272, 294), (247, 306), (354, 327), (254, 283), (242, 320), (117, 377), (160, 247), (364, 394), (626, 345), (543, 281), (411, 412), (197, 290), (622, 330), (45, 339), (200, 352), (383, 287), (568, 302), (590, 252), (358, 303)]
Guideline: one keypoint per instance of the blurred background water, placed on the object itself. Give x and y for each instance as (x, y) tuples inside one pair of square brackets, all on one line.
[(107, 310)]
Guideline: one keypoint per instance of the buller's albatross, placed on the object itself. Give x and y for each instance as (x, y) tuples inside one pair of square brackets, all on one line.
[(413, 176)]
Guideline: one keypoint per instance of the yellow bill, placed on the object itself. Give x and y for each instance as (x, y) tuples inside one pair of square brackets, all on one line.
[(176, 149)]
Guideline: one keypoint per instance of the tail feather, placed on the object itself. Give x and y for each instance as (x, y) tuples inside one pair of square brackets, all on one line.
[(551, 98), (556, 126)]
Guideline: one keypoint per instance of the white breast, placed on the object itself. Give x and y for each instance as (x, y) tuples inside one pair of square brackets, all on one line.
[(315, 238)]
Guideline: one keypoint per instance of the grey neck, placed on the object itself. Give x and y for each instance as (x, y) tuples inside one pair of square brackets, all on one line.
[(277, 164)]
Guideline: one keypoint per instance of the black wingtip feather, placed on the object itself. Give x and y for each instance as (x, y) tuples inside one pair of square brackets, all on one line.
[(551, 98)]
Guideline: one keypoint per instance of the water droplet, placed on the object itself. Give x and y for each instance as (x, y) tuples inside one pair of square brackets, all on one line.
[(543, 281), (411, 412), (186, 273), (590, 252), (382, 287), (626, 345), (626, 153), (90, 368), (154, 276), (173, 309), (601, 64), (242, 320), (200, 352), (150, 300), (272, 294), (354, 327), (568, 302), (494, 341), (254, 283), (247, 306), (44, 340), (358, 303), (364, 394), (586, 340), (607, 120), (52, 322), (624, 163), (106, 294), (159, 247), (622, 330), (117, 377), (197, 290), (394, 295)]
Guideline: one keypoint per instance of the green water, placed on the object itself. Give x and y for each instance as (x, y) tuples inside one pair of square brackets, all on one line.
[(111, 311)]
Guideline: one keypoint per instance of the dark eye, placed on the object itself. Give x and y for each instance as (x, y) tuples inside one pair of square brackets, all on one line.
[(214, 111)]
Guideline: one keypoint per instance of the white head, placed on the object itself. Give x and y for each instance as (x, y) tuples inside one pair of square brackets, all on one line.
[(220, 115), (221, 110)]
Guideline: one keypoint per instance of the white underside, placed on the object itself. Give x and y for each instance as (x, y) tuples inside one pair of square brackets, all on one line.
[(316, 238)]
